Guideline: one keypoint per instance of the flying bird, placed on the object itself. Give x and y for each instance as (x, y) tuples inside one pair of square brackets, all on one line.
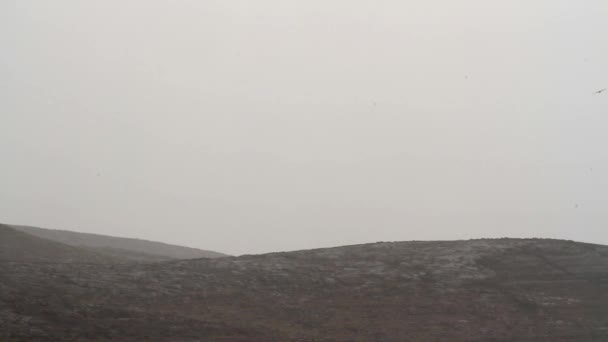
[(600, 91)]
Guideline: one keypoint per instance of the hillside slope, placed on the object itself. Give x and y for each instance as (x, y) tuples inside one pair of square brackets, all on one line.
[(123, 248), (21, 247), (478, 290)]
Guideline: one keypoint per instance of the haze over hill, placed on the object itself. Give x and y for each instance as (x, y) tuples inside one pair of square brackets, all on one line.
[(126, 248), (478, 290), (21, 247), (122, 247)]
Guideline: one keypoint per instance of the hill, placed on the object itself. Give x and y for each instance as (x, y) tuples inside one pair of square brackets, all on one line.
[(478, 290), (122, 248), (22, 247)]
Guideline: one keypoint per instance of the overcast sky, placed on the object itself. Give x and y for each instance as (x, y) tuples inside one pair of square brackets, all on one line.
[(255, 126)]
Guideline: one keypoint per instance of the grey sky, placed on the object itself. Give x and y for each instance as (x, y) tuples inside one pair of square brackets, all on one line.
[(255, 126)]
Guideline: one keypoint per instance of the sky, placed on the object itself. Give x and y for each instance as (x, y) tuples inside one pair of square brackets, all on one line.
[(271, 125)]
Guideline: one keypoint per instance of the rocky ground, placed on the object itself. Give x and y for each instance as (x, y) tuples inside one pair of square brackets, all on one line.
[(478, 290)]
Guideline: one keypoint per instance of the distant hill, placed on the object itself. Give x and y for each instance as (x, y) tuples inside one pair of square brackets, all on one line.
[(21, 247), (121, 248), (477, 290)]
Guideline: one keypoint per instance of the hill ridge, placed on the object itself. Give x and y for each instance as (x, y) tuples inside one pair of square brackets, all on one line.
[(127, 248), (463, 290), (18, 246)]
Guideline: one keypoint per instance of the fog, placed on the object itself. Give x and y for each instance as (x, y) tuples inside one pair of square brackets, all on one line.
[(257, 126)]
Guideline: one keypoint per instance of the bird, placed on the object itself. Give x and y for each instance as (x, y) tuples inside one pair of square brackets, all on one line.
[(600, 91)]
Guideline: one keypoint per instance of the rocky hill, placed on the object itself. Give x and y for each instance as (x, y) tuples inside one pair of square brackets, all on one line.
[(122, 248), (478, 290)]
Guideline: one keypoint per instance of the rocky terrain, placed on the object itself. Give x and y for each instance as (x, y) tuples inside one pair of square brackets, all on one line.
[(121, 248), (477, 290)]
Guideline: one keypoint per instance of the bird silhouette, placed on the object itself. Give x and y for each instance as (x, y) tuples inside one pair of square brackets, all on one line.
[(600, 91)]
